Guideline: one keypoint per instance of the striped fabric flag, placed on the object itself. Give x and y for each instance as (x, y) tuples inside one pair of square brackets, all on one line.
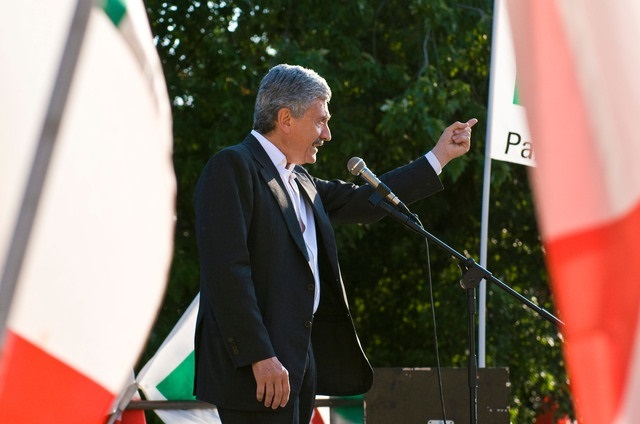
[(508, 139), (347, 414), (169, 373), (507, 129), (169, 376), (96, 262), (578, 64)]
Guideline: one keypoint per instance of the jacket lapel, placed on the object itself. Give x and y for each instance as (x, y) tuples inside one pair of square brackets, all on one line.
[(270, 175), (323, 223)]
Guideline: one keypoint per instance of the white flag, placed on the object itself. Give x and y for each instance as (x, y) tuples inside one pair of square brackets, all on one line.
[(169, 373), (169, 376), (508, 131), (96, 263)]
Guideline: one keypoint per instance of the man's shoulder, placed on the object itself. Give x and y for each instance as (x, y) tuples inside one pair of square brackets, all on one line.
[(242, 151), (242, 148)]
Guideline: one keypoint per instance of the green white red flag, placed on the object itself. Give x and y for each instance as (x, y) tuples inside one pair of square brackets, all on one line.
[(508, 135), (169, 373), (578, 67), (98, 251)]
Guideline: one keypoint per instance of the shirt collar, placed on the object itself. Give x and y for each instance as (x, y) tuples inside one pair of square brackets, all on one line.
[(277, 157)]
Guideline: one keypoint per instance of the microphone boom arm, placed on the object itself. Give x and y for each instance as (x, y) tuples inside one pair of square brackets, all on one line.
[(473, 273)]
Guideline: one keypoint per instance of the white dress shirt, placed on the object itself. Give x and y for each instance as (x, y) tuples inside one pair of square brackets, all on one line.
[(304, 212)]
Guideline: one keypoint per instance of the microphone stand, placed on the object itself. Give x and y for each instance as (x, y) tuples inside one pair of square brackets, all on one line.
[(472, 274)]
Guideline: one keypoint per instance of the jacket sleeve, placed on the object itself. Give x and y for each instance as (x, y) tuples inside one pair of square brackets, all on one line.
[(347, 203)]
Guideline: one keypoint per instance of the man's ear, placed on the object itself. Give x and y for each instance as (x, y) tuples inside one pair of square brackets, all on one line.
[(284, 120)]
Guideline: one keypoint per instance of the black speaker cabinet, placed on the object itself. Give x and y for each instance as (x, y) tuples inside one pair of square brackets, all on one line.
[(412, 396)]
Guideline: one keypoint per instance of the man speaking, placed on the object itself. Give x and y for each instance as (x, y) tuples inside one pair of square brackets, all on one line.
[(274, 326)]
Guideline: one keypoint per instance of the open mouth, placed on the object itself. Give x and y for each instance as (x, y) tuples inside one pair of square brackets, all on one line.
[(318, 143)]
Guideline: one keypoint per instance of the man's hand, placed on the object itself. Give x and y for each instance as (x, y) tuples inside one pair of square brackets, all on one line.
[(273, 382), (455, 141)]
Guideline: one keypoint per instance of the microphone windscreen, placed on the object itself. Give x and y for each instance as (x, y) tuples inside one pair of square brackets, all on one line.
[(355, 165)]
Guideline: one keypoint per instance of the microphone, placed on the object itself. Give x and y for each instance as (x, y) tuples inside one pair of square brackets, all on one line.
[(358, 168)]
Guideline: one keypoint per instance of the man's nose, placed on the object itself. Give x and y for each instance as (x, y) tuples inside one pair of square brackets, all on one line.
[(326, 133)]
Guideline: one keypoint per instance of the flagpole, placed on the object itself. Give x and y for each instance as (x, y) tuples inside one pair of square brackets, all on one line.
[(41, 160), (482, 290), (486, 190)]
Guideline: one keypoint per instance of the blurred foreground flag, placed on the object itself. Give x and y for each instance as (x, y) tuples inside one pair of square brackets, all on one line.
[(169, 373), (83, 291), (578, 68)]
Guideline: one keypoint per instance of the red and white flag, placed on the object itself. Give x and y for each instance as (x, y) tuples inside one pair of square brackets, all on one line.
[(96, 262), (578, 65)]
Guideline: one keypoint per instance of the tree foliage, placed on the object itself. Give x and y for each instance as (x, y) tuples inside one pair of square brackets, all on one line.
[(400, 72)]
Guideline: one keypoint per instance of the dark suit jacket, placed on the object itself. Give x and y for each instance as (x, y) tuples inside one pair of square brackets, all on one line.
[(256, 287)]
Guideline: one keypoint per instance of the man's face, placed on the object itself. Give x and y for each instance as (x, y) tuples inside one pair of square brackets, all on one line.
[(308, 133)]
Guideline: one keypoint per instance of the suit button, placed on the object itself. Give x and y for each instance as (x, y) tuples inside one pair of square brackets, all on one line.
[(307, 324), (311, 287)]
